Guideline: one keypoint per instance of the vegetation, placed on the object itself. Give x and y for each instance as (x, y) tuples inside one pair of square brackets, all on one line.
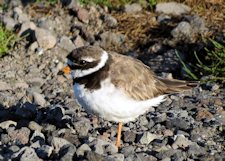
[(51, 2), (211, 64), (7, 40)]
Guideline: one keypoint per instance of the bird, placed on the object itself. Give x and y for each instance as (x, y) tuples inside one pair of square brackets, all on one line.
[(117, 87)]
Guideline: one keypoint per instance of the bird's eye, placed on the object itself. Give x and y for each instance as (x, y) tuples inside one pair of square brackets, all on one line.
[(82, 62)]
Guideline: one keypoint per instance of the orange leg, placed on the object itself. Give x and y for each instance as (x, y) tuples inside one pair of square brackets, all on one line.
[(119, 135)]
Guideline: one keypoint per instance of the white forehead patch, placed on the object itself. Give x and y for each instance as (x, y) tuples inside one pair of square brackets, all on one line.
[(81, 73)]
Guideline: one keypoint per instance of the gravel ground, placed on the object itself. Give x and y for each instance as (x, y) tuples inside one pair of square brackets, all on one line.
[(40, 120)]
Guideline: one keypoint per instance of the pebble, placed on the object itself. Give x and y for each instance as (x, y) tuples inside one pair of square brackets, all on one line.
[(35, 126), (39, 99), (82, 127), (110, 21), (172, 8), (7, 124), (58, 143), (5, 86), (129, 136), (9, 22), (82, 149), (20, 136), (147, 138), (66, 44), (44, 151), (83, 15), (78, 42), (132, 8), (26, 154), (45, 38), (181, 142)]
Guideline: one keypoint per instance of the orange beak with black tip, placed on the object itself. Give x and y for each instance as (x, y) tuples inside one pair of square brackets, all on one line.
[(66, 70)]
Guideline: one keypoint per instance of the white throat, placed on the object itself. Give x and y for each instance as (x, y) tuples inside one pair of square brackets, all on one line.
[(78, 73)]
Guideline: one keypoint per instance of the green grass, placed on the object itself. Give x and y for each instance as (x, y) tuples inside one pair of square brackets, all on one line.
[(7, 40), (50, 2), (211, 64)]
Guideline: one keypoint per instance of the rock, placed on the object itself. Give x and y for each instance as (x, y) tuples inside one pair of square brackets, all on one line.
[(9, 22), (126, 151), (181, 142), (115, 157), (19, 15), (66, 44), (145, 157), (58, 143), (198, 24), (148, 137), (134, 7), (203, 114), (166, 159), (178, 123), (172, 8), (35, 126), (78, 42), (101, 147), (20, 136), (183, 31), (83, 15), (37, 136), (82, 127), (195, 150), (5, 86), (67, 152), (26, 154), (14, 148), (21, 85), (33, 47), (129, 136), (143, 121), (110, 21), (39, 99), (27, 28), (92, 156), (26, 110), (44, 151), (82, 149), (45, 38), (7, 124)]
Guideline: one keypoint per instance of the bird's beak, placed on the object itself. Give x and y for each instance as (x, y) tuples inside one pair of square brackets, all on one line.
[(66, 70)]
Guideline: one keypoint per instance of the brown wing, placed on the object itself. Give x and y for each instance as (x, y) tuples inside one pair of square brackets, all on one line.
[(135, 78), (139, 82)]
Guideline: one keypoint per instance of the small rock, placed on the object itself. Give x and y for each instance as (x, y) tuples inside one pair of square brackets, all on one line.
[(26, 154), (82, 127), (5, 86), (7, 124), (92, 156), (33, 47), (145, 157), (39, 99), (178, 123), (19, 15), (14, 148), (83, 15), (21, 136), (35, 126), (204, 114), (27, 28), (9, 22), (101, 147), (44, 151), (67, 152), (134, 7), (147, 138), (168, 132), (181, 142), (78, 42), (126, 151), (22, 85), (182, 31), (115, 157), (195, 150), (82, 149), (110, 21), (58, 143), (166, 159), (37, 136), (45, 38), (172, 8), (66, 44), (129, 136)]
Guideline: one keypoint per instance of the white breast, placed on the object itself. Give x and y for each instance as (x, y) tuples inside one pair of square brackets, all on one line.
[(112, 104)]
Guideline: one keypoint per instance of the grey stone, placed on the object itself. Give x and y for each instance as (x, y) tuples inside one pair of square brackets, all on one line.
[(58, 143), (26, 154), (92, 156), (9, 22), (44, 151), (183, 31), (45, 38), (195, 150), (166, 159), (78, 42), (147, 138), (134, 7), (181, 142), (82, 149), (82, 127), (39, 99), (178, 123), (27, 28), (67, 152), (14, 148), (21, 136), (115, 157), (145, 157), (129, 136), (33, 46), (110, 21), (7, 124), (101, 147), (126, 151), (143, 121), (19, 15), (35, 126), (172, 8), (66, 44)]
